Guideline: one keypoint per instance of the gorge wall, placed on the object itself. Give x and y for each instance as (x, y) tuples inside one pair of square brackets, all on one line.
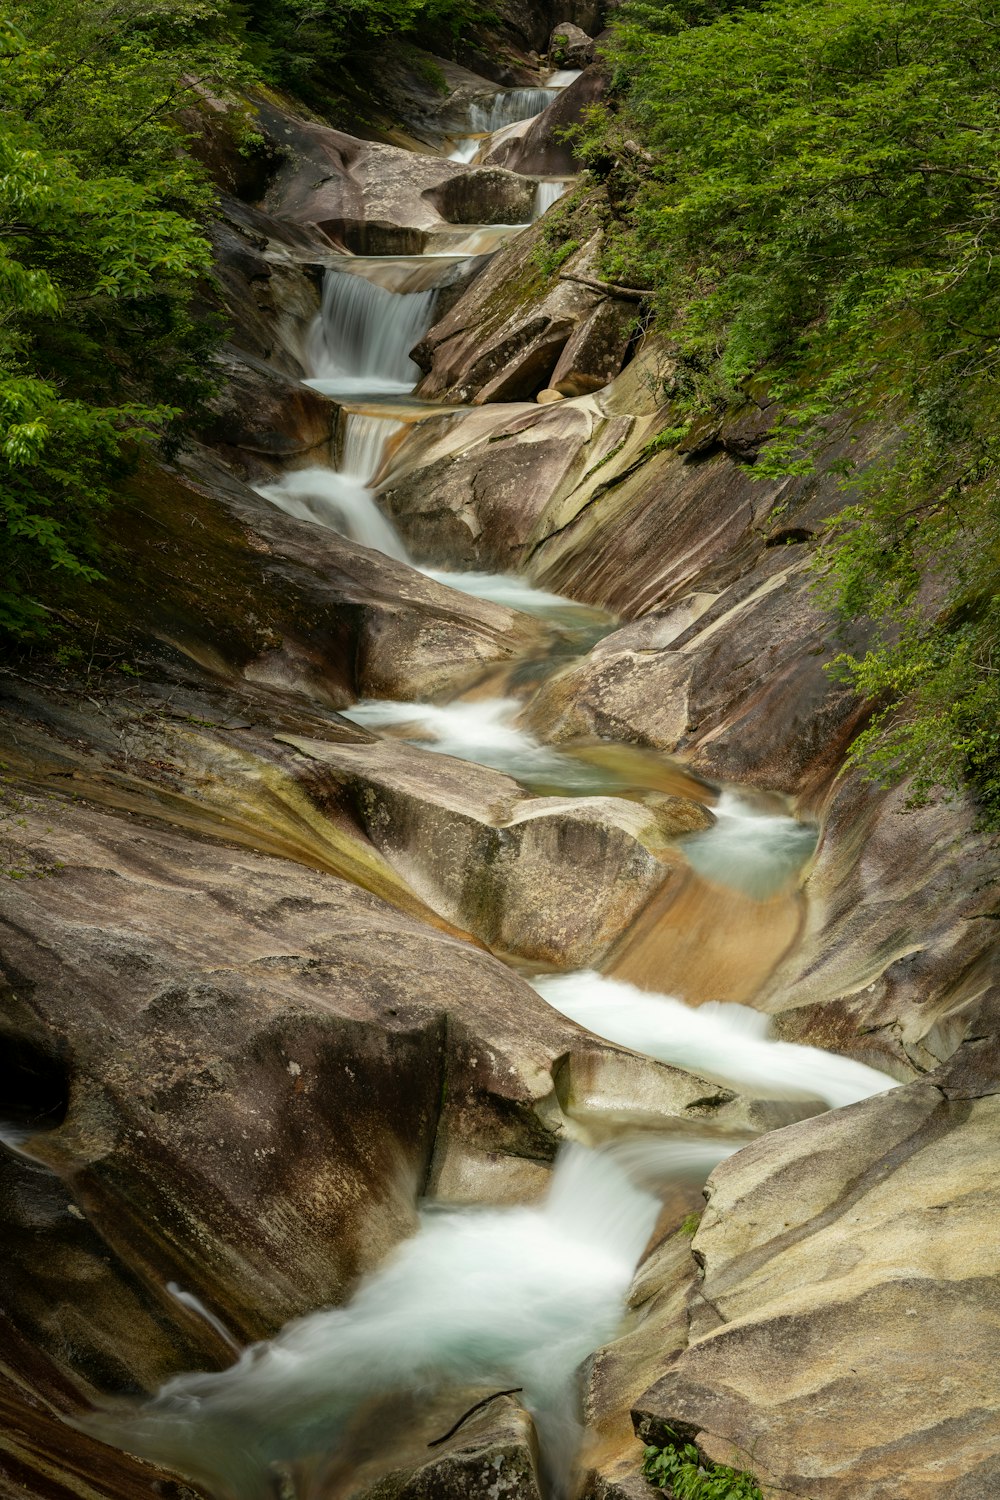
[(265, 971)]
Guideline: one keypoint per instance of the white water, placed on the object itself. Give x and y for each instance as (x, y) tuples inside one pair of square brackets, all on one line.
[(548, 193), (488, 1297), (502, 588), (341, 499), (466, 149), (483, 731), (727, 1043), (758, 852), (361, 340), (507, 108), (194, 1304)]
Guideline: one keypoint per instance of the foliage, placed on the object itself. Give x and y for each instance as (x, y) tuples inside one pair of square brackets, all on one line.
[(303, 45), (815, 197), (686, 1476), (100, 248)]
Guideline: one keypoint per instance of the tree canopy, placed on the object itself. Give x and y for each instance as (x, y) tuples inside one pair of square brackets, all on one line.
[(816, 205)]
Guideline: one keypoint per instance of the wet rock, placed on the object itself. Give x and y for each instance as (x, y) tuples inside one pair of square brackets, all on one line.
[(539, 150), (844, 1338), (503, 339), (472, 491), (377, 199), (550, 879), (261, 412), (292, 605), (570, 47), (898, 947), (493, 1453)]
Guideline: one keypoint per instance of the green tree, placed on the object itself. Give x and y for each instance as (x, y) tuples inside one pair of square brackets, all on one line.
[(818, 205), (100, 249)]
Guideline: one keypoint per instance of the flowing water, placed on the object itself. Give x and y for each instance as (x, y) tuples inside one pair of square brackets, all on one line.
[(507, 108), (360, 343), (728, 1043), (557, 1273), (548, 193), (512, 1297)]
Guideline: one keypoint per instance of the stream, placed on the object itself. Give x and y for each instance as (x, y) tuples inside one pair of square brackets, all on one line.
[(508, 1297)]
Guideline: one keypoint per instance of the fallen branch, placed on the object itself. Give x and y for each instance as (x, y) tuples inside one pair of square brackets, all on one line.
[(514, 1390), (632, 293)]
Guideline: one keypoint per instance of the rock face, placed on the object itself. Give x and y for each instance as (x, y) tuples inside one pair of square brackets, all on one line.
[(570, 47), (504, 339), (293, 605), (846, 1327)]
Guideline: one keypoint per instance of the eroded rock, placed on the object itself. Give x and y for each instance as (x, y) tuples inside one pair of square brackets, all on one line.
[(845, 1335)]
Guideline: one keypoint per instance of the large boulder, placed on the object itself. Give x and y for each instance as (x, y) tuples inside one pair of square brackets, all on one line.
[(503, 339), (845, 1333), (209, 572), (570, 46)]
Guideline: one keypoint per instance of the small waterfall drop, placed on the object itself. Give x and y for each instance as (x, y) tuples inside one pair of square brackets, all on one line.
[(548, 193), (361, 340), (466, 149), (482, 730), (562, 78), (727, 1043), (508, 1297), (342, 499), (507, 107), (756, 851)]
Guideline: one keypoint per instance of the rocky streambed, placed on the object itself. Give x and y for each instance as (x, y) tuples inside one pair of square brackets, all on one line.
[(468, 752)]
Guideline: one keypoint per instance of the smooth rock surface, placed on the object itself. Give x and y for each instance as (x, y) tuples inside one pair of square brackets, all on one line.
[(845, 1335)]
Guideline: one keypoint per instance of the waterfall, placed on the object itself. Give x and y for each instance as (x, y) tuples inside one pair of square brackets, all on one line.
[(507, 107), (727, 1043), (547, 193), (342, 499), (562, 78), (466, 149), (361, 340), (498, 1297)]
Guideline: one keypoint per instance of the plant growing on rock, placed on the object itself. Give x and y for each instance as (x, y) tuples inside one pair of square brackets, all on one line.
[(827, 219), (679, 1469)]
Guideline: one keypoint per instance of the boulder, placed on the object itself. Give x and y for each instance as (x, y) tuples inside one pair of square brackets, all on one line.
[(597, 348), (502, 340), (472, 491), (844, 1336), (209, 572), (375, 199), (570, 47), (540, 150)]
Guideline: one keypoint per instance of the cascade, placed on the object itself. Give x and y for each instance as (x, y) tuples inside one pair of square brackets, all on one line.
[(749, 848), (342, 499), (361, 340), (728, 1043), (548, 193), (426, 1320), (507, 107)]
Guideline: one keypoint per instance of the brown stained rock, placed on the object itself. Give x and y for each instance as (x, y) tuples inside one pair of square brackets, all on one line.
[(595, 353), (264, 414), (845, 1336), (899, 943), (209, 571)]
